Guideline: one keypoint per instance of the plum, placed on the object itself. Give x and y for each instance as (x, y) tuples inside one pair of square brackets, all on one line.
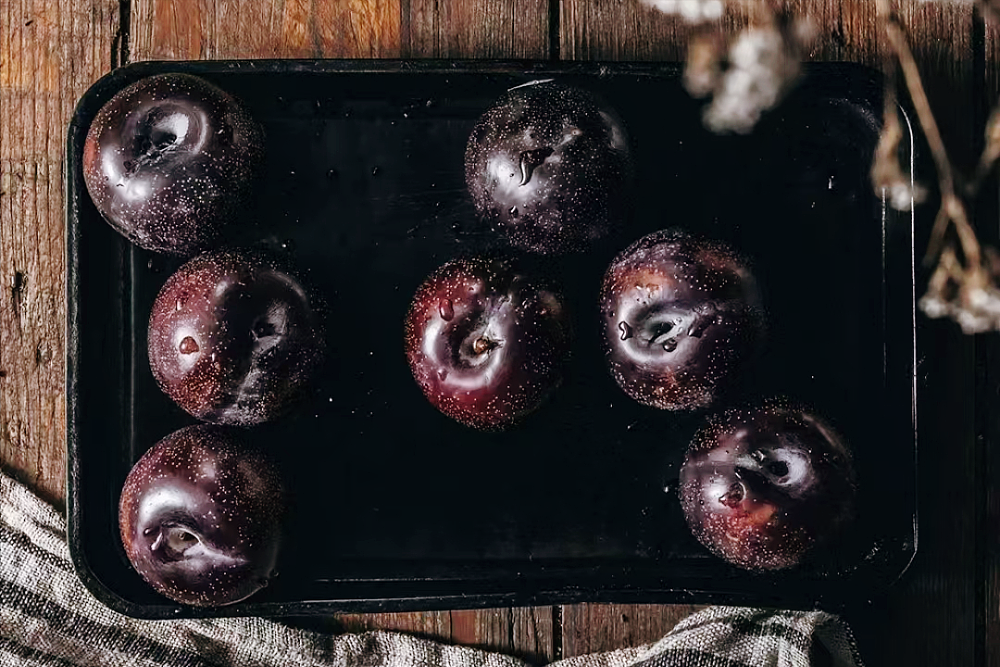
[(201, 515), (760, 487), (486, 342), (234, 337), (170, 161), (681, 317), (550, 166)]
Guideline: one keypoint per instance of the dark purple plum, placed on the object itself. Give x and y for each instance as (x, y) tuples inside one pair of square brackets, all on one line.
[(681, 317), (234, 337), (761, 487), (550, 165), (201, 517), (486, 342), (170, 161)]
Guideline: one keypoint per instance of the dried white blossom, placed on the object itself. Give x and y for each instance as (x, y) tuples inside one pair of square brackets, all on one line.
[(903, 194), (693, 11), (764, 63), (934, 306), (980, 317), (970, 297), (981, 312), (888, 176)]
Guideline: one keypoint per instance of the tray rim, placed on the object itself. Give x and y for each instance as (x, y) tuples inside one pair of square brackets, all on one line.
[(107, 85)]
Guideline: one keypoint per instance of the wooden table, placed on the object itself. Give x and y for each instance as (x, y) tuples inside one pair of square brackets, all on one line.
[(945, 612)]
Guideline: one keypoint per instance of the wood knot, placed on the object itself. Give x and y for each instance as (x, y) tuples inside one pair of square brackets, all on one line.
[(43, 354)]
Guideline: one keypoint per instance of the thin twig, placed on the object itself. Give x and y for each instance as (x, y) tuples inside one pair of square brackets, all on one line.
[(925, 115), (990, 12), (952, 208), (991, 153)]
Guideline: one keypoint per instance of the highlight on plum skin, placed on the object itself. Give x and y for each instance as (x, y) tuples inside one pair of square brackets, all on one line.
[(762, 487), (681, 317), (235, 338), (200, 517), (550, 166), (170, 161), (486, 342)]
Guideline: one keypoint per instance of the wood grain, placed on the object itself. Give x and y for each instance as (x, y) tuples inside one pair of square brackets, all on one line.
[(614, 30), (989, 362), (991, 58), (844, 30), (231, 29), (593, 628), (523, 632), (608, 30), (201, 29), (504, 29), (940, 590), (49, 54), (51, 50)]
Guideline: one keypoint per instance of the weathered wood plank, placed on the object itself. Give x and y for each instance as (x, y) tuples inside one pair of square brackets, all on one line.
[(192, 29), (503, 29), (607, 30), (594, 628), (845, 30), (613, 30), (940, 589), (50, 53), (230, 29), (525, 632), (989, 232)]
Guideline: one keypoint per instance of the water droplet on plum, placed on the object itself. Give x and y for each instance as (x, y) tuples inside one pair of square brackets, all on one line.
[(699, 326)]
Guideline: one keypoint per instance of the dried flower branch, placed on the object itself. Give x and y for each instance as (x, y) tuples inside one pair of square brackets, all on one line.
[(970, 296), (762, 64), (752, 72), (963, 287), (928, 124), (888, 175), (990, 154)]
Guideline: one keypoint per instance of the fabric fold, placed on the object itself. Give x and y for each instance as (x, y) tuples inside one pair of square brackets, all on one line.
[(49, 619)]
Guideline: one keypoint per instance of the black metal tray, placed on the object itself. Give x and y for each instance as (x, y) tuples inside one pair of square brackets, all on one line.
[(397, 507)]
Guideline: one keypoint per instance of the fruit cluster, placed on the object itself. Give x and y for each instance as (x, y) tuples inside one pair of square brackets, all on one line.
[(235, 337)]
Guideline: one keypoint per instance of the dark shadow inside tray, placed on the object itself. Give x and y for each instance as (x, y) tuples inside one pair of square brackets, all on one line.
[(365, 190)]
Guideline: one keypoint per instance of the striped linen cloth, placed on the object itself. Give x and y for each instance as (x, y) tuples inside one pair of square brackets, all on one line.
[(48, 618)]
